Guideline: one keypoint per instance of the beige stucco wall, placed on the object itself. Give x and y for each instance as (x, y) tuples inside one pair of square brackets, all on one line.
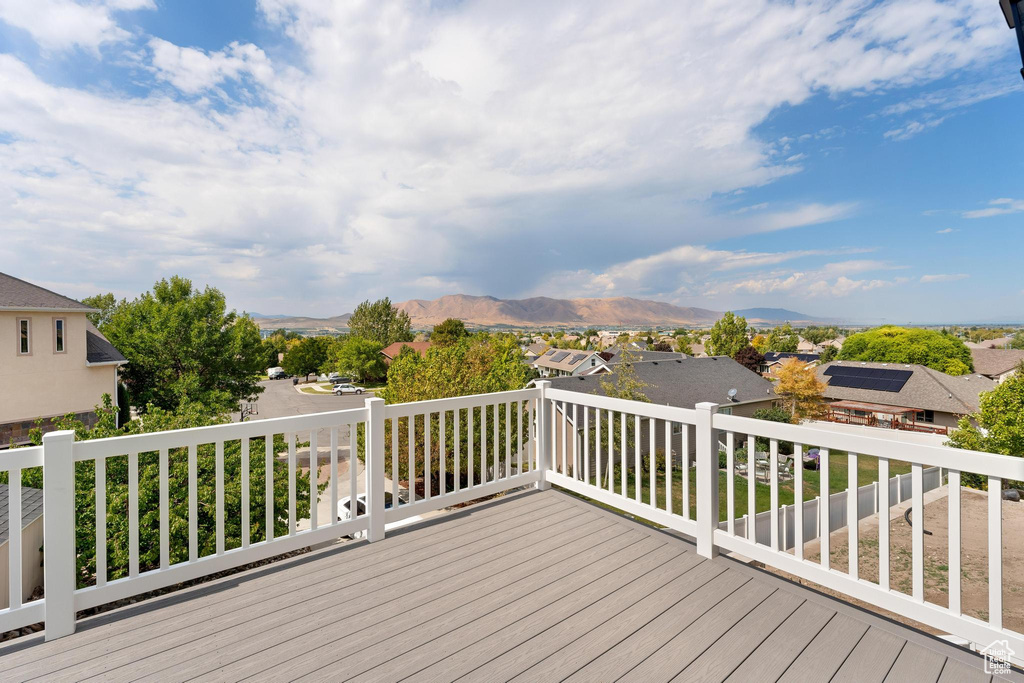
[(45, 384), (31, 562)]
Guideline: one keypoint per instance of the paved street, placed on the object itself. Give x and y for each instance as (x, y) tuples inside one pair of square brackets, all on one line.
[(281, 399)]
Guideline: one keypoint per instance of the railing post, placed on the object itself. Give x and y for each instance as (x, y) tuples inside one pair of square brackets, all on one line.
[(59, 563), (544, 419), (374, 468), (707, 480)]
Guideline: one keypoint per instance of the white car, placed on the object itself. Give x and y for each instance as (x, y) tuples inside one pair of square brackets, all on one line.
[(345, 512), (276, 373), (340, 389)]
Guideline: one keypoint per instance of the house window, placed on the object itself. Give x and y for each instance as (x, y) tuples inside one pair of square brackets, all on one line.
[(677, 427), (24, 336), (58, 335), (726, 410), (926, 416)]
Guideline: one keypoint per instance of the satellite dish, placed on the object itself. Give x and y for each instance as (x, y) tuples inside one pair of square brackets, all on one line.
[(732, 394)]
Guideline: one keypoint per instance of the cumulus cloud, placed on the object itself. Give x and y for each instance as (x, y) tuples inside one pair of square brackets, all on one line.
[(62, 24), (537, 139)]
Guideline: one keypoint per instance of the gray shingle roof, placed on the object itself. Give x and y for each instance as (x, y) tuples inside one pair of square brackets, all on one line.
[(684, 382), (31, 508), (926, 389), (99, 350), (645, 355), (17, 294), (993, 362)]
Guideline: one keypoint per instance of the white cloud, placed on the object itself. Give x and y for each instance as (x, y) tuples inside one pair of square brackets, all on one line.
[(521, 126), (912, 128), (945, 231), (62, 24), (997, 207), (945, 277)]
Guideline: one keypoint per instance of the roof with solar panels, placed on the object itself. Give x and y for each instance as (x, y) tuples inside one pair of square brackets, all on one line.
[(567, 360), (904, 385)]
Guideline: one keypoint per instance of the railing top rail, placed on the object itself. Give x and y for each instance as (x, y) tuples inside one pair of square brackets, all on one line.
[(21, 458), (442, 404), (990, 464), (650, 410), (178, 438)]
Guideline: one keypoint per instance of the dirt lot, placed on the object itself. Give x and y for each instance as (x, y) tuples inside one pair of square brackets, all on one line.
[(974, 556)]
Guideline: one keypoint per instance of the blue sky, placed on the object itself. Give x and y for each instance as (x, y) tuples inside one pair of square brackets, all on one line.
[(840, 158)]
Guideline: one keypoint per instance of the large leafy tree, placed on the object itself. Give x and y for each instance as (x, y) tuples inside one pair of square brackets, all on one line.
[(891, 344), (783, 339), (728, 335), (358, 357), (186, 416), (479, 364), (307, 357), (448, 331), (1017, 342), (800, 389), (997, 427), (381, 322), (105, 303), (183, 345)]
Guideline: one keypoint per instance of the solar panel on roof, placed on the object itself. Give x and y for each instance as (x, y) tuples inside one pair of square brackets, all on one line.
[(577, 358), (559, 357), (874, 379)]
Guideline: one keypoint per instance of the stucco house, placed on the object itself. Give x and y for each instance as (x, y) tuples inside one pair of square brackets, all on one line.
[(568, 363), (53, 361), (31, 542)]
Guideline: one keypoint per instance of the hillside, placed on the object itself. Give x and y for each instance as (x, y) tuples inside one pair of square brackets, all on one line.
[(489, 311)]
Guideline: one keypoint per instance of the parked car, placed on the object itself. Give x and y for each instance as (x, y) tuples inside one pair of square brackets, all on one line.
[(343, 388), (345, 513), (335, 378), (276, 373)]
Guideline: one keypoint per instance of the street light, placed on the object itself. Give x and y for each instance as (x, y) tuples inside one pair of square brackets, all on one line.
[(1012, 12)]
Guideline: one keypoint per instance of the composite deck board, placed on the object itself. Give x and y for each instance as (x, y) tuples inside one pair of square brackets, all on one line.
[(916, 663), (532, 586), (777, 652)]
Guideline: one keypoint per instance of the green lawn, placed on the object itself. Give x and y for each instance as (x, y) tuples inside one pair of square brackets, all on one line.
[(867, 472)]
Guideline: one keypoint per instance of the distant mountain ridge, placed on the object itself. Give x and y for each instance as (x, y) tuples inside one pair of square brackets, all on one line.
[(489, 311)]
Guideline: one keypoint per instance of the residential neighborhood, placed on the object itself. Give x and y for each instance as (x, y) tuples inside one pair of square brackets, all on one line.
[(495, 341)]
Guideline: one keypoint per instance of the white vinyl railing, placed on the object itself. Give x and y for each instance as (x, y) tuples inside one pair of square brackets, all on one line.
[(17, 613), (658, 463)]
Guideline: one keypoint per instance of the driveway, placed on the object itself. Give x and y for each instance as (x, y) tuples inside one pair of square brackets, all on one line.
[(280, 399)]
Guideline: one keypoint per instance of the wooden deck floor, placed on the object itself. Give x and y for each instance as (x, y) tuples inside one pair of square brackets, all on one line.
[(533, 587)]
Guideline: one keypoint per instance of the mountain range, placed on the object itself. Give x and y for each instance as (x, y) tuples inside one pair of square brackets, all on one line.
[(489, 311)]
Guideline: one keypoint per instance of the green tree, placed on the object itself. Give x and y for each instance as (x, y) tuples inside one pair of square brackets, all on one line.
[(997, 427), (106, 303), (891, 344), (773, 414), (1017, 342), (360, 358), (307, 357), (829, 353), (183, 345), (479, 364), (783, 339), (624, 383), (381, 322), (728, 335), (186, 416), (448, 331)]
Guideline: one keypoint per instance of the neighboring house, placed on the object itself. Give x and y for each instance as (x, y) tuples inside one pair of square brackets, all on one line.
[(31, 543), (698, 350), (681, 382), (998, 343), (391, 351), (805, 346), (896, 396), (773, 361), (531, 351), (567, 363), (53, 361), (836, 343), (997, 364)]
